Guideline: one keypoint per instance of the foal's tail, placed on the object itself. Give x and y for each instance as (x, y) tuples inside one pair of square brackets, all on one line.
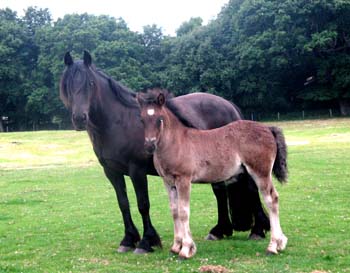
[(280, 169)]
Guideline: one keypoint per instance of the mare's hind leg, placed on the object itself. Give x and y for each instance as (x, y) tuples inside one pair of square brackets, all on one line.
[(224, 226), (278, 240)]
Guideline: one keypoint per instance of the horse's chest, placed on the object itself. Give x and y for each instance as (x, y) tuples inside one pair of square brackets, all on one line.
[(116, 154)]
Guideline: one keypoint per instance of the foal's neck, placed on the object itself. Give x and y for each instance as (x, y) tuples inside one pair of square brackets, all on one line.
[(173, 130)]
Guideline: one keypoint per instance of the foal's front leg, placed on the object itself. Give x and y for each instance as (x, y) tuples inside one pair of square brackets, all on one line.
[(172, 192), (183, 187)]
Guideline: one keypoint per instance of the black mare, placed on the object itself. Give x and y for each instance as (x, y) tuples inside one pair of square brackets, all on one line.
[(110, 114)]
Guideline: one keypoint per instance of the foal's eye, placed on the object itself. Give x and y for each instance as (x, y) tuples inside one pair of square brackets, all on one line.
[(159, 121), (92, 83)]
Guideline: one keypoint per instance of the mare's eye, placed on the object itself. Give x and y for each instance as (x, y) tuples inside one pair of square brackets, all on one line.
[(92, 83), (142, 121)]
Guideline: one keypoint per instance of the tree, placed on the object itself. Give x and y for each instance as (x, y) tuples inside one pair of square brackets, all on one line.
[(329, 44), (12, 68)]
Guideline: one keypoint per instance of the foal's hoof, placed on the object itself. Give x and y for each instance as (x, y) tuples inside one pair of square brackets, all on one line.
[(212, 237), (140, 251), (124, 249), (186, 253), (282, 243), (271, 252)]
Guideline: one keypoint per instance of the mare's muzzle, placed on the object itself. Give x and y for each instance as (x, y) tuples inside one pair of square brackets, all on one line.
[(150, 145), (79, 121)]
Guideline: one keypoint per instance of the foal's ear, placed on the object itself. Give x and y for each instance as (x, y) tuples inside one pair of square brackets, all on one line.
[(139, 98), (68, 60), (87, 58), (161, 99)]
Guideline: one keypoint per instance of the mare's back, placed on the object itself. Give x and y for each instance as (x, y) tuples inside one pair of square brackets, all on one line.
[(203, 110)]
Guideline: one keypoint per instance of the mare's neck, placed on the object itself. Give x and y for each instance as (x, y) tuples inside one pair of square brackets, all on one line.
[(107, 109)]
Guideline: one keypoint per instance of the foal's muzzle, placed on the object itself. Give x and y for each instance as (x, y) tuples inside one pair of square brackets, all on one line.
[(79, 121), (150, 145)]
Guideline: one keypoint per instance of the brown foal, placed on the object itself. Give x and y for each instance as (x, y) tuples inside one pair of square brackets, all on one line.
[(185, 155)]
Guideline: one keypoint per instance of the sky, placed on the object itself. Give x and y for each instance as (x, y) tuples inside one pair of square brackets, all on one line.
[(167, 14)]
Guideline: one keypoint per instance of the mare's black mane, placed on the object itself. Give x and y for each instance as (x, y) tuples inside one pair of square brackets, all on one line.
[(122, 93)]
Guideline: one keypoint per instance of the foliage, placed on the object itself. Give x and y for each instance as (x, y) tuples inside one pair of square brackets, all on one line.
[(263, 55), (58, 212)]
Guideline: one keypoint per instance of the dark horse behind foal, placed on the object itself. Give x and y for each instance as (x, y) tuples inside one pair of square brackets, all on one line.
[(110, 114)]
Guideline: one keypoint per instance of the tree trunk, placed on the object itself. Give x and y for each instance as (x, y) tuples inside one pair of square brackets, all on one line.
[(1, 125), (344, 105)]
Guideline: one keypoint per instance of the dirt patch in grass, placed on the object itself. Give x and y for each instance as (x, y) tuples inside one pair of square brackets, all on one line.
[(213, 269)]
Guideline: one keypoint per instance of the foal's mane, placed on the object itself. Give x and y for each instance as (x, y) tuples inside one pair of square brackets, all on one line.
[(151, 96)]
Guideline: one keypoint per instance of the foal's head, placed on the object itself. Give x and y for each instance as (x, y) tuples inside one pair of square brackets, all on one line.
[(152, 116)]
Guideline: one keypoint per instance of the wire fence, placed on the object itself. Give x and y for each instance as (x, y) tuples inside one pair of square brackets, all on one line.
[(295, 115)]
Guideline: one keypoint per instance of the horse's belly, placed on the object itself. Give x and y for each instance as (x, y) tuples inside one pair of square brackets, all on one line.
[(217, 172)]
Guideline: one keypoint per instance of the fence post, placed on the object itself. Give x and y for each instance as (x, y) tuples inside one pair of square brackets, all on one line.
[(330, 113), (278, 115), (303, 114), (252, 116)]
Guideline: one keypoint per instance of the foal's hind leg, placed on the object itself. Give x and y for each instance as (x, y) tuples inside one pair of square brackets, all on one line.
[(278, 240)]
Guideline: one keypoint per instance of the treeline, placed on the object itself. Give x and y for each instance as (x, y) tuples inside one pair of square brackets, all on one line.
[(264, 55)]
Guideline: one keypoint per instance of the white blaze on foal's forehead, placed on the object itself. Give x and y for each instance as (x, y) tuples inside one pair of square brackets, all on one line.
[(150, 111)]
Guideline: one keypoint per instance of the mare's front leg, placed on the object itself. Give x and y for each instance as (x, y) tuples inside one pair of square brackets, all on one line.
[(150, 237), (173, 201), (183, 187), (132, 235)]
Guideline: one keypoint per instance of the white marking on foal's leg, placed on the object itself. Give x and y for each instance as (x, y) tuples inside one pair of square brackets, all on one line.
[(177, 244), (183, 185), (278, 240)]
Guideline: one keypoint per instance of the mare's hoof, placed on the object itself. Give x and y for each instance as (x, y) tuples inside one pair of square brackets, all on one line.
[(124, 249), (140, 251), (255, 237), (212, 237)]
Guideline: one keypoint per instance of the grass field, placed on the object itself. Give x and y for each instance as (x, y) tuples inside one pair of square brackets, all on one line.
[(58, 213)]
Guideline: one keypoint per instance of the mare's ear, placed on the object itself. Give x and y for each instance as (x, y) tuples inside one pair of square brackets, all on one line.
[(161, 99), (87, 58), (68, 60)]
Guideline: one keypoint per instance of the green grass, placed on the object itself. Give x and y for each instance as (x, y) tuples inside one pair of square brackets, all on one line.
[(58, 212)]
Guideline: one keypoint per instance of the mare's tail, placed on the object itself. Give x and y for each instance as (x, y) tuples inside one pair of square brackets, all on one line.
[(280, 169)]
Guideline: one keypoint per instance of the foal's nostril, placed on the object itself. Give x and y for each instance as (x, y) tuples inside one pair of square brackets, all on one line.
[(150, 146)]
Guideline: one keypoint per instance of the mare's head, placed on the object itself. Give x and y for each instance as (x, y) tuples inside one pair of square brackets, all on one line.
[(152, 116), (78, 83)]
